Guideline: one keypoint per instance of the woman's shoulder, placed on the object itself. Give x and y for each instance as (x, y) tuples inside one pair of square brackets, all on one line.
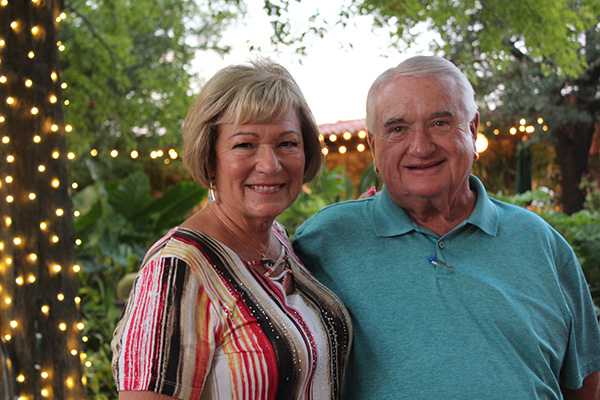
[(178, 243), (186, 250)]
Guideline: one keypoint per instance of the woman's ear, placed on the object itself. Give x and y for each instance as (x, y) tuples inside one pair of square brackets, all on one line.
[(210, 171)]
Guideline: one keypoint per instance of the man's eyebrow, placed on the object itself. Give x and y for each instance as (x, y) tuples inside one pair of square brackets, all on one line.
[(393, 121), (400, 120), (442, 113)]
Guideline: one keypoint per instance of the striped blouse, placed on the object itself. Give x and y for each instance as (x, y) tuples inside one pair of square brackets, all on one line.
[(200, 323)]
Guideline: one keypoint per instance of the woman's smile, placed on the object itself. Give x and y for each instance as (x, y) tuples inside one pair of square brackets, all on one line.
[(259, 168)]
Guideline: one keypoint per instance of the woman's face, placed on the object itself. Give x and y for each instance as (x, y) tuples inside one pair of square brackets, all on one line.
[(259, 168)]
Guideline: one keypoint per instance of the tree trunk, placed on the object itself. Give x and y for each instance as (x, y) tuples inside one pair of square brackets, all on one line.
[(39, 315), (572, 148)]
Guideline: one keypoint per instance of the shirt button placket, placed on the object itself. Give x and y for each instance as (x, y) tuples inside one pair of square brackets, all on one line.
[(443, 270)]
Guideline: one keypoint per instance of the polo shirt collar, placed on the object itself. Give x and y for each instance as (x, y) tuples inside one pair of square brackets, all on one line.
[(389, 219), (485, 214)]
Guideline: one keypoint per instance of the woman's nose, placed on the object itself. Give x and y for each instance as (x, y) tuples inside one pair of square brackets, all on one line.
[(267, 160)]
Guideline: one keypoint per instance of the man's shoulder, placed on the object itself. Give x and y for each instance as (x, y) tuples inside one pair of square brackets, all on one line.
[(347, 209), (516, 218), (345, 206), (338, 215), (517, 213)]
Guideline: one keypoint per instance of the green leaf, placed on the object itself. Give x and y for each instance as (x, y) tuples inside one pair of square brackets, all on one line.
[(130, 195), (87, 220), (172, 207)]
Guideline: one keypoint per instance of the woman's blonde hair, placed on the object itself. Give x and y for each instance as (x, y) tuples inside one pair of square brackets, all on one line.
[(259, 92)]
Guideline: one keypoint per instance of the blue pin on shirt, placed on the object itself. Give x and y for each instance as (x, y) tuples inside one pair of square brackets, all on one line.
[(435, 261)]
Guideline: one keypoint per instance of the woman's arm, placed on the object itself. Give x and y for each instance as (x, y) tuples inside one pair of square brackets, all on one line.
[(142, 395), (158, 337)]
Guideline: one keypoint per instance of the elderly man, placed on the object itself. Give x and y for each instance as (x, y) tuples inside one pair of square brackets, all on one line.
[(453, 295)]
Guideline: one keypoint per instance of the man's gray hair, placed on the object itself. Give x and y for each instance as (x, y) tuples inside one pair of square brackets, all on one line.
[(418, 67)]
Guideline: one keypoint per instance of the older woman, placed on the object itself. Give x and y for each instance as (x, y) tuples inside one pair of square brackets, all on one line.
[(221, 307)]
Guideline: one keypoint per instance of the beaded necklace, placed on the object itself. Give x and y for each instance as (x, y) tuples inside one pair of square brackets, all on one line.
[(263, 255)]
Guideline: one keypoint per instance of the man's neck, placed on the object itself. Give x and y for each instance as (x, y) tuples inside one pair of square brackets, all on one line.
[(441, 215)]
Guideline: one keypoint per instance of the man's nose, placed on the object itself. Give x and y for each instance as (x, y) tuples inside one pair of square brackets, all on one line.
[(421, 142)]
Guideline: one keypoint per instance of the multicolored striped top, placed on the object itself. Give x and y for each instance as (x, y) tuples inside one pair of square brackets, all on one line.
[(200, 323)]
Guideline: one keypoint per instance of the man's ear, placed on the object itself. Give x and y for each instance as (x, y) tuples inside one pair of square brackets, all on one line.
[(474, 127), (371, 140)]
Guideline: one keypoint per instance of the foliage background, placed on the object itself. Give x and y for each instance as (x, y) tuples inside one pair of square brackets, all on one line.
[(126, 65)]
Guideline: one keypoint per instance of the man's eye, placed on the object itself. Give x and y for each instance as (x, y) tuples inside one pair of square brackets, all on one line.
[(398, 129)]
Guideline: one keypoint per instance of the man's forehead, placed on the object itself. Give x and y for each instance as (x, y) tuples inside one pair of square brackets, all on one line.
[(402, 84), (407, 95)]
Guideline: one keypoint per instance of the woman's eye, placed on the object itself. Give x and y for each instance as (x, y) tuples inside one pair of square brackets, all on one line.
[(289, 143), (242, 146)]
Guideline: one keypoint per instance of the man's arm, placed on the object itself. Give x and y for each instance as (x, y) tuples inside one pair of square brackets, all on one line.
[(590, 389)]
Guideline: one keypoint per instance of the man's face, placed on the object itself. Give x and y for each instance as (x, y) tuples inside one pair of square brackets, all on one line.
[(423, 144)]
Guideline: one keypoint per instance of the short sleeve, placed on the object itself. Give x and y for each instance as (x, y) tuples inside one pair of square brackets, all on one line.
[(165, 339), (583, 353)]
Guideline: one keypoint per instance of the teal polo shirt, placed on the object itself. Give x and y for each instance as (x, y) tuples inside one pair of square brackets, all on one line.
[(513, 318)]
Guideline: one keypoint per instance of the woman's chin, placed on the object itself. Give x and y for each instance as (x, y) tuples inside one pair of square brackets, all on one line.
[(268, 212)]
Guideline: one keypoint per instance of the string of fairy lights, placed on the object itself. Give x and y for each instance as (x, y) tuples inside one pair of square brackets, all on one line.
[(349, 139), (12, 187), (10, 183)]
